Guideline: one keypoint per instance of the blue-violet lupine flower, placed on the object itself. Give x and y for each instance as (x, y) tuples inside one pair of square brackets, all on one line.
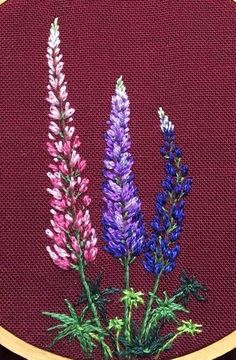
[(123, 229), (162, 248)]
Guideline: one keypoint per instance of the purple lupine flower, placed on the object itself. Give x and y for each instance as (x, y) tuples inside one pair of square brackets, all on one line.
[(162, 248), (123, 229)]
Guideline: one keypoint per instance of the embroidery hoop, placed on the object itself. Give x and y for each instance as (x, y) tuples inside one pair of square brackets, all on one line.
[(30, 352)]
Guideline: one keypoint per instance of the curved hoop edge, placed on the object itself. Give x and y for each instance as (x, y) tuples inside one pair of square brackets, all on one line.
[(22, 348), (214, 350), (30, 352)]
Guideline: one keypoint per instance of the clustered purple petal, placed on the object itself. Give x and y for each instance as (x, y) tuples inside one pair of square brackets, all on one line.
[(162, 248), (123, 229)]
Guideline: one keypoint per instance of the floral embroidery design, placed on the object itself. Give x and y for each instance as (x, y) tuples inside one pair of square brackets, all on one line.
[(73, 240)]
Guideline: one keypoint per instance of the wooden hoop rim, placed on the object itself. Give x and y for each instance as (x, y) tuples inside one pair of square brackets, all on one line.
[(30, 352)]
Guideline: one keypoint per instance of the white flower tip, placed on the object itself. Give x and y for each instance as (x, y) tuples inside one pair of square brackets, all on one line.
[(161, 112), (55, 23), (120, 84), (165, 123)]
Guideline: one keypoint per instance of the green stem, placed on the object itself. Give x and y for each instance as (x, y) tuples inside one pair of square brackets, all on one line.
[(127, 318), (106, 349), (167, 344), (117, 341), (149, 305)]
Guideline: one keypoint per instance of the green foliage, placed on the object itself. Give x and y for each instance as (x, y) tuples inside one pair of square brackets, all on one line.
[(143, 347), (166, 310), (76, 327), (189, 287), (133, 298), (189, 327), (116, 324), (151, 342), (98, 296)]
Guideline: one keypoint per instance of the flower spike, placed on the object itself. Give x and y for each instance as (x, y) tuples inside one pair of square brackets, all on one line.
[(71, 229), (122, 218), (162, 248)]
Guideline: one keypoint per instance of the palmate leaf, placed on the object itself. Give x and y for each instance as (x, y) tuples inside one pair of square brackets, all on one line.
[(98, 296), (75, 327), (132, 298), (167, 308), (190, 287), (165, 311)]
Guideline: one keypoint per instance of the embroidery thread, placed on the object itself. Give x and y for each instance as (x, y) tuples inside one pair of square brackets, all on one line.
[(74, 239)]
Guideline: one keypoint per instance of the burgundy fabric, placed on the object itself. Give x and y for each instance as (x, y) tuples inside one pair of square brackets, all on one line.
[(177, 54)]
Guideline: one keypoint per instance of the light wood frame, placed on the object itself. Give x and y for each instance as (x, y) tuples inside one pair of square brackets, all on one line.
[(31, 352)]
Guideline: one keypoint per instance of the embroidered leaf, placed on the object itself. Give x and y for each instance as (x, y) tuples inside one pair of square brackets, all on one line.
[(133, 298), (166, 311), (189, 327), (167, 308), (98, 296), (75, 327), (71, 310), (189, 287), (61, 317), (116, 324), (143, 348)]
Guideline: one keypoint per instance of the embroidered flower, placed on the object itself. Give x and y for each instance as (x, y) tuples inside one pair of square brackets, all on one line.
[(122, 219), (72, 231), (162, 248)]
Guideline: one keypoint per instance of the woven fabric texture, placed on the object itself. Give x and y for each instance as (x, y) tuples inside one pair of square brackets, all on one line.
[(176, 54)]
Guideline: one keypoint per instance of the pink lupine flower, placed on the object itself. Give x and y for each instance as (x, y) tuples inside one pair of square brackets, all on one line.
[(51, 149), (86, 200), (90, 254), (67, 147), (76, 142), (71, 231), (60, 239), (75, 244), (63, 263), (69, 131), (64, 168), (74, 158), (58, 205), (81, 165)]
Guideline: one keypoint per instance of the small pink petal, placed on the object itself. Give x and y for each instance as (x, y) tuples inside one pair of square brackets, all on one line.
[(53, 167), (86, 200), (74, 258), (81, 165), (75, 245), (63, 263), (51, 149), (52, 254), (69, 113), (90, 254), (60, 240), (67, 147), (49, 233), (63, 167), (61, 252), (76, 142)]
